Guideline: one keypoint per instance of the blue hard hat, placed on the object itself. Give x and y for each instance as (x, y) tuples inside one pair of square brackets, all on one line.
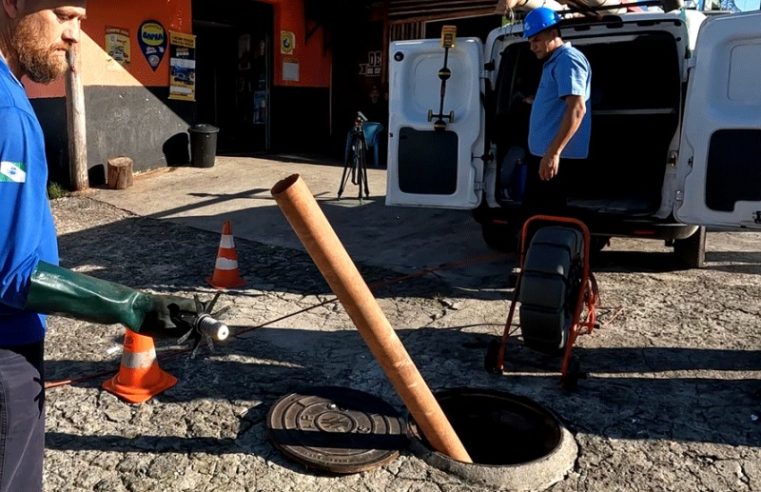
[(538, 20)]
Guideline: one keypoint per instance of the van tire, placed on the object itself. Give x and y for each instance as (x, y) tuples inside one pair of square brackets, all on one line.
[(549, 288), (597, 244), (502, 238), (691, 252)]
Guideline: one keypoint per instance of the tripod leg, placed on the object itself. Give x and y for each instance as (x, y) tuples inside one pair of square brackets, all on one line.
[(354, 161), (360, 160), (344, 177), (364, 173)]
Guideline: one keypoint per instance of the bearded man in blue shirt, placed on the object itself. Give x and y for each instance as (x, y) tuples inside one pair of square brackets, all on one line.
[(35, 36), (560, 123)]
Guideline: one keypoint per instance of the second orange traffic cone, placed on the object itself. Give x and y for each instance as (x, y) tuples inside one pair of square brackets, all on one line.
[(140, 378), (226, 274)]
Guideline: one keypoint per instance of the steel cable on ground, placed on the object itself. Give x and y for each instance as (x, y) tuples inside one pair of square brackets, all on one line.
[(170, 354)]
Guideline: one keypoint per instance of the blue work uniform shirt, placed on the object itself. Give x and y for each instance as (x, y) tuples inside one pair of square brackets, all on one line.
[(566, 72), (27, 230)]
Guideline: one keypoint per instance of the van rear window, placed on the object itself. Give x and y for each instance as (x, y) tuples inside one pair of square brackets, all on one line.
[(427, 163), (734, 169)]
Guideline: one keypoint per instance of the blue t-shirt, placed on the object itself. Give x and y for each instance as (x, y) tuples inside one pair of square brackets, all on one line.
[(565, 73), (27, 231)]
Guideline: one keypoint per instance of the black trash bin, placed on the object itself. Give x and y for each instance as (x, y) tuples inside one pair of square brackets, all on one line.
[(203, 145)]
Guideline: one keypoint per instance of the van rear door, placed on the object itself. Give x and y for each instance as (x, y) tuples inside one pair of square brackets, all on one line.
[(719, 167), (427, 166)]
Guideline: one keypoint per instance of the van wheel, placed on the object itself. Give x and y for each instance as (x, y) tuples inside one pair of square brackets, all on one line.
[(598, 243), (500, 237), (549, 288), (691, 252)]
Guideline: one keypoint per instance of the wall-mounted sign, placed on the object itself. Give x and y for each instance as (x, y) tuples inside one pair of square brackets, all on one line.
[(291, 69), (287, 42), (118, 45), (182, 66), (152, 39), (448, 35), (374, 64)]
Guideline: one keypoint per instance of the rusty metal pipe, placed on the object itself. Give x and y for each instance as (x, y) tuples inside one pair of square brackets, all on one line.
[(313, 229)]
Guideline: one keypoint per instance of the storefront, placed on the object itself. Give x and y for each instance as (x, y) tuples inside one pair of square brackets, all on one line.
[(234, 72), (273, 75), (259, 71), (263, 75)]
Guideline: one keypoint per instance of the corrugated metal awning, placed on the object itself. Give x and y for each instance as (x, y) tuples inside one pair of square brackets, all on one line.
[(405, 10)]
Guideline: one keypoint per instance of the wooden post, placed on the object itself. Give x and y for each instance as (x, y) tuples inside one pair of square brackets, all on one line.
[(75, 122), (119, 173)]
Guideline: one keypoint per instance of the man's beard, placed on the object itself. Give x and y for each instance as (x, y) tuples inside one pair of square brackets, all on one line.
[(40, 62)]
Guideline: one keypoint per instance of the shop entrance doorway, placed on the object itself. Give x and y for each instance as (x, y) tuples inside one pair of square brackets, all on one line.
[(234, 72)]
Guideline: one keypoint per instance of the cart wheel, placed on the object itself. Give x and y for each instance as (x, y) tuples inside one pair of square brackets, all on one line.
[(490, 361), (549, 288)]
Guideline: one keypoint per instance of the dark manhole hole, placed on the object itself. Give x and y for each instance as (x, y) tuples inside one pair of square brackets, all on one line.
[(340, 430), (513, 441), (499, 428)]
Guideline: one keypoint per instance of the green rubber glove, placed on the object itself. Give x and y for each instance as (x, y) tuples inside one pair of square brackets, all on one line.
[(56, 290)]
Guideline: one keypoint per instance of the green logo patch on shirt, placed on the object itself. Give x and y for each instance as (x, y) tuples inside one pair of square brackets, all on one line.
[(12, 172)]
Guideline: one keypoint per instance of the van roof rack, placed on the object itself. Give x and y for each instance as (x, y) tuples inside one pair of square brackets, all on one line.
[(576, 7)]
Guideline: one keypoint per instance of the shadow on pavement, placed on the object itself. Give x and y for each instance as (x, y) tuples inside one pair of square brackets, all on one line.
[(153, 254), (748, 262), (670, 393), (694, 395)]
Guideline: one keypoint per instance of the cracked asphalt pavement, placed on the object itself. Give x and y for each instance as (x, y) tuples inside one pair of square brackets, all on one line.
[(672, 400)]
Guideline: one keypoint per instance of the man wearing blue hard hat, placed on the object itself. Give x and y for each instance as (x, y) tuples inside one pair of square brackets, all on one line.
[(560, 123)]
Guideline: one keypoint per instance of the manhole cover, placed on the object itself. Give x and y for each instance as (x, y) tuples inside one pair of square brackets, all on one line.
[(340, 430)]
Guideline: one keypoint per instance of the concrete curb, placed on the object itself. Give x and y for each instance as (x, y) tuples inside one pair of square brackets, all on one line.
[(532, 476)]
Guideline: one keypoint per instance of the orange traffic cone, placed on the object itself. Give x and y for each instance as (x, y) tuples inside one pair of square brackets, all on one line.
[(226, 274), (139, 377)]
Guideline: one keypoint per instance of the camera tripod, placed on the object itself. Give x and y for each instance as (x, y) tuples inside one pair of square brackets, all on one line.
[(355, 165)]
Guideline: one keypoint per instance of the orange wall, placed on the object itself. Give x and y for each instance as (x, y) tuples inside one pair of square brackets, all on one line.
[(98, 68), (38, 91), (314, 63), (175, 15)]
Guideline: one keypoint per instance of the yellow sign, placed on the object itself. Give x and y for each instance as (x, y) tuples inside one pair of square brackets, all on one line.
[(182, 66), (117, 45), (182, 39), (152, 34), (287, 42), (448, 35)]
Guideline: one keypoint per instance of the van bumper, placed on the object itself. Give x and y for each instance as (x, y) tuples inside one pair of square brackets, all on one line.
[(612, 226)]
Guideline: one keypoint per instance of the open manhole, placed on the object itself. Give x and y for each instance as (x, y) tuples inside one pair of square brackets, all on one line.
[(339, 430), (514, 442)]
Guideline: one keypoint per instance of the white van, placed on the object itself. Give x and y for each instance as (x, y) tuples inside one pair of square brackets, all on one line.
[(676, 126)]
